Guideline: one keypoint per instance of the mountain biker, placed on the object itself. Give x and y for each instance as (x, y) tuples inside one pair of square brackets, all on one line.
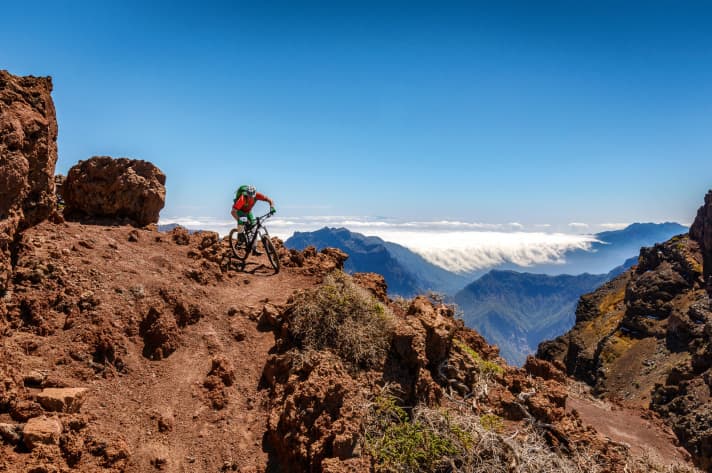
[(245, 198)]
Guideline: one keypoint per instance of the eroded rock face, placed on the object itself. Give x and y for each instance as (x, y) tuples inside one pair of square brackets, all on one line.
[(701, 231), (107, 188), (28, 154), (318, 408), (318, 403), (310, 260), (645, 338)]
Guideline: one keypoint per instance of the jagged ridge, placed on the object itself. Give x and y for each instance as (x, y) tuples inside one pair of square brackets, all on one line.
[(645, 338)]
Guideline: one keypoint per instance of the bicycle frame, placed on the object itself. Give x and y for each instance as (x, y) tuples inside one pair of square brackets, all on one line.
[(242, 250), (257, 231)]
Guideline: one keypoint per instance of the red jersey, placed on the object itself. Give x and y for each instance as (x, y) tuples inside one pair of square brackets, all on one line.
[(245, 203)]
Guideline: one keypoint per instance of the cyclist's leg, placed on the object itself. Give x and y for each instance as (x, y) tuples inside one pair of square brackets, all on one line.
[(243, 222), (252, 222)]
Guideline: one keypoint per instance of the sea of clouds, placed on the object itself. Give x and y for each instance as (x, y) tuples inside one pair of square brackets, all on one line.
[(453, 245)]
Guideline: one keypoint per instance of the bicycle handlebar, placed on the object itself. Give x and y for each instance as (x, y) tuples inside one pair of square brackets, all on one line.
[(264, 217)]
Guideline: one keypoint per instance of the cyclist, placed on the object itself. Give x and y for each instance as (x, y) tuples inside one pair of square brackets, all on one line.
[(245, 198)]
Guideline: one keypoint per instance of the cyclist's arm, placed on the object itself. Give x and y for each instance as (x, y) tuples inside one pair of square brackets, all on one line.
[(264, 198)]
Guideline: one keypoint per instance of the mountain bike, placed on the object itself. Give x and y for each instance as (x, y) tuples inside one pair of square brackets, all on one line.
[(243, 242)]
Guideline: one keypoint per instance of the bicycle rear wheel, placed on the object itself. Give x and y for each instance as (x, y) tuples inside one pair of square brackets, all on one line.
[(271, 252), (238, 243)]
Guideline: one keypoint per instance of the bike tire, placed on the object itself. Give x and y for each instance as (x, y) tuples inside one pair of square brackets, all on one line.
[(238, 244), (271, 253)]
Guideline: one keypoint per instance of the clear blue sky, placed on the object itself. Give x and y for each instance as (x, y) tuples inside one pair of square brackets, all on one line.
[(535, 112)]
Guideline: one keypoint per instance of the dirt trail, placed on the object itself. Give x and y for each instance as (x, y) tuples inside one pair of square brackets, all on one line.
[(159, 410), (644, 436)]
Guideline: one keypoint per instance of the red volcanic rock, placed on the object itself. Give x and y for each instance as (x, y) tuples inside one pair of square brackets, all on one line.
[(28, 153), (309, 260), (42, 430), (374, 283), (103, 187)]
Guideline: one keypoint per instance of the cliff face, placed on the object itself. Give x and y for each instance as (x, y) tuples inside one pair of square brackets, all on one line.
[(645, 338), (701, 231), (28, 153)]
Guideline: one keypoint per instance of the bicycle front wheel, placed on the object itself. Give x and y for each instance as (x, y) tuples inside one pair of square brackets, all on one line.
[(238, 243), (271, 253)]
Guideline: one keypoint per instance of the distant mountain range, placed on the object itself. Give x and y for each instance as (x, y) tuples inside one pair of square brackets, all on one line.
[(515, 310), (611, 250), (407, 273)]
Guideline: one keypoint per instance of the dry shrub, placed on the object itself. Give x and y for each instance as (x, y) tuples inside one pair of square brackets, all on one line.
[(458, 440), (342, 316), (450, 440)]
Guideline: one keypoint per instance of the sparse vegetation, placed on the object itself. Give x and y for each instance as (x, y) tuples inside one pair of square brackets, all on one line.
[(398, 443), (341, 316), (486, 368), (402, 303), (430, 440), (492, 422), (458, 441)]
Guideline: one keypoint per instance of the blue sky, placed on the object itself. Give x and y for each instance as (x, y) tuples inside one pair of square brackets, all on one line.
[(530, 112)]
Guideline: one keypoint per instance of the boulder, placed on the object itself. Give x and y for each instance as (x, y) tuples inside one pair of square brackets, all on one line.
[(61, 399), (28, 154), (11, 433), (34, 378), (42, 430), (107, 188)]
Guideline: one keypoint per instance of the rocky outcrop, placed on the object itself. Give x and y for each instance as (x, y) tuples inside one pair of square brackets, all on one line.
[(107, 188), (701, 231), (28, 154), (644, 339), (310, 260), (319, 402), (374, 283), (42, 430), (61, 399)]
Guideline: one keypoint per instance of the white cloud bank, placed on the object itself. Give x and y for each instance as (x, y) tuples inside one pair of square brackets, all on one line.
[(474, 250), (453, 245)]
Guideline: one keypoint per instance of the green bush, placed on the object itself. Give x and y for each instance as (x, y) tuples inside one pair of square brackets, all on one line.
[(398, 443), (342, 316)]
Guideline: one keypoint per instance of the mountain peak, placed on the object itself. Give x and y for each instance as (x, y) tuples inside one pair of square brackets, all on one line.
[(406, 272)]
